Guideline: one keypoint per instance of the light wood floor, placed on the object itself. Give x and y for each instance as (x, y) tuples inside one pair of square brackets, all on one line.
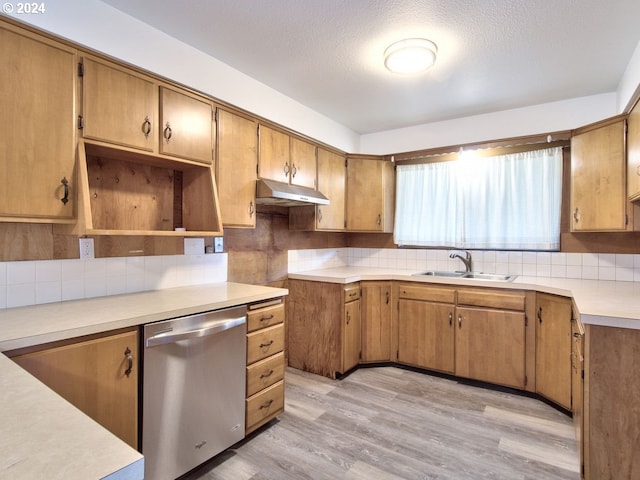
[(388, 423)]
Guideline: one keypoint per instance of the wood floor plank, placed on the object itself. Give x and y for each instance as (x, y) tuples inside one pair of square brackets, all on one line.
[(391, 423)]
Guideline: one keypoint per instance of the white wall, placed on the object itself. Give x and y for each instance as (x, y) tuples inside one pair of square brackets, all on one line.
[(630, 81), (548, 117)]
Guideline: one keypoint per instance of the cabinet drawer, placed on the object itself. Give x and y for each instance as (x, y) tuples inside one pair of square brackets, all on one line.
[(264, 405), (351, 292), (264, 343), (265, 373), (265, 317), (428, 293), (491, 298)]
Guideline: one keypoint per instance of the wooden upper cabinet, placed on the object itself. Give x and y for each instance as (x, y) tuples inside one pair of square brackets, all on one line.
[(553, 348), (187, 126), (598, 177), (38, 128), (274, 155), (332, 184), (633, 154), (370, 194), (119, 106), (286, 159), (237, 159), (303, 163)]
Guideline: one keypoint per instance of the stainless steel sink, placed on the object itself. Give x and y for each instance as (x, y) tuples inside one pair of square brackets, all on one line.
[(495, 277)]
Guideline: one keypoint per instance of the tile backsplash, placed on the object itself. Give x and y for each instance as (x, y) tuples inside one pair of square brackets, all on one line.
[(46, 281), (587, 266)]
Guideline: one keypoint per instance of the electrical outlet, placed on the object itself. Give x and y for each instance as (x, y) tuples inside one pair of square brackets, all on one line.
[(86, 248), (218, 245)]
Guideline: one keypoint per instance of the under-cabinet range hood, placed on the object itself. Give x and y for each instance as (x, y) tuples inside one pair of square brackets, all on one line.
[(270, 192)]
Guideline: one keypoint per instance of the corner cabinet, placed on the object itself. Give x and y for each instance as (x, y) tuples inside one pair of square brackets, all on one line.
[(98, 375), (598, 178), (237, 163), (37, 158), (265, 363), (323, 327), (370, 194)]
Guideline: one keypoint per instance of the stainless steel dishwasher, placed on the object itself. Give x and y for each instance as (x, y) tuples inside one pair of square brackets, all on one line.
[(193, 404)]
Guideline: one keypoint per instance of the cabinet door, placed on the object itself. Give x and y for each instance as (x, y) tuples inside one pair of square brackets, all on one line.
[(598, 179), (376, 321), (273, 162), (553, 348), (490, 346), (187, 127), (98, 376), (237, 160), (38, 127), (351, 336), (426, 334), (303, 163), (633, 153), (364, 195), (119, 106), (331, 183)]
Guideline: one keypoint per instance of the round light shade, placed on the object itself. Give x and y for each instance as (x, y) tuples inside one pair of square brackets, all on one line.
[(412, 55)]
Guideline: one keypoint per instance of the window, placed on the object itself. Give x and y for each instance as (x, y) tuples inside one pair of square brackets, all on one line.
[(503, 202)]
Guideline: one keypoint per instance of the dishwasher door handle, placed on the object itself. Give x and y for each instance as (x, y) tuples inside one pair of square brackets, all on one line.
[(170, 337)]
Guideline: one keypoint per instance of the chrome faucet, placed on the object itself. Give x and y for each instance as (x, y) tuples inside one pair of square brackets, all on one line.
[(466, 260)]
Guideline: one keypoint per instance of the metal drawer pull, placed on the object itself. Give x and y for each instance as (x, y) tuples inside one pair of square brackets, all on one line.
[(146, 127), (168, 133), (268, 344), (129, 357), (65, 184), (267, 374), (266, 404), (266, 318)]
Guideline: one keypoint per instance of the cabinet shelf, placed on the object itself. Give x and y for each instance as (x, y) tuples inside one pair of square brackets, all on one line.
[(124, 192)]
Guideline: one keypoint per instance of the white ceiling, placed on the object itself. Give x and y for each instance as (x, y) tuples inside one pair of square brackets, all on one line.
[(327, 54)]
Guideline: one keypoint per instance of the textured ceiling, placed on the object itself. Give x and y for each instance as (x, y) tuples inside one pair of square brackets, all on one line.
[(327, 54)]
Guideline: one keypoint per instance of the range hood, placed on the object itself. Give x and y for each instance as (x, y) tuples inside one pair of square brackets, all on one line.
[(270, 192)]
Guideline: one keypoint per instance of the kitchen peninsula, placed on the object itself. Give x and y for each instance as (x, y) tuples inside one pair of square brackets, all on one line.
[(43, 436)]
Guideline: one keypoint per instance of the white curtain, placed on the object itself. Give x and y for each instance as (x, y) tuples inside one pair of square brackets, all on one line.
[(505, 202)]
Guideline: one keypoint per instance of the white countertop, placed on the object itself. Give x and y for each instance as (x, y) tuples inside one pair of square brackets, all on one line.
[(44, 436), (599, 302)]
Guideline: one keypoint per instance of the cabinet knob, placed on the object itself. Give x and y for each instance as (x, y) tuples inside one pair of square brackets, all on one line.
[(459, 321), (251, 209), (576, 215), (286, 169), (539, 314), (319, 215), (294, 170), (450, 319)]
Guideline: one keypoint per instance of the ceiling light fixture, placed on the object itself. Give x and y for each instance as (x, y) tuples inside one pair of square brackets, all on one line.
[(412, 55)]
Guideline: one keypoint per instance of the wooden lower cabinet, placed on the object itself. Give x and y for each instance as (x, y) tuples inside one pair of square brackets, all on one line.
[(323, 327), (490, 346), (611, 409), (376, 320), (553, 348), (97, 374), (426, 334), (265, 363)]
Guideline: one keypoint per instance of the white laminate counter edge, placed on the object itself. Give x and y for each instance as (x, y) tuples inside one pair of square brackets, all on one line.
[(606, 303), (44, 436)]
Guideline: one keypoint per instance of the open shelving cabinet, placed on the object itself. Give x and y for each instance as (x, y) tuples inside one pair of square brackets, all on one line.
[(124, 192)]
